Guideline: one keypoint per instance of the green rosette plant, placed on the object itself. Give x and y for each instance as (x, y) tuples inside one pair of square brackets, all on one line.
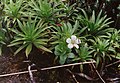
[(101, 48), (62, 52), (97, 25), (114, 39), (13, 10), (64, 49), (43, 9), (84, 53), (30, 34), (61, 35)]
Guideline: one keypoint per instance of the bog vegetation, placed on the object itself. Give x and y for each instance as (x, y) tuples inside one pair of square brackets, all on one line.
[(72, 32)]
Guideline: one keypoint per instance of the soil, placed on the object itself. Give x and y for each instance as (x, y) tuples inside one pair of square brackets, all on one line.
[(14, 64)]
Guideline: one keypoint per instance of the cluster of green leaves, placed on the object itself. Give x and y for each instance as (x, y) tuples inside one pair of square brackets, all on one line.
[(43, 9), (13, 10), (30, 34), (61, 33), (84, 53), (96, 24), (63, 52)]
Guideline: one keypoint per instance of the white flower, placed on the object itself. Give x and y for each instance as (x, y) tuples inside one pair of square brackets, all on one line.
[(63, 0), (73, 42)]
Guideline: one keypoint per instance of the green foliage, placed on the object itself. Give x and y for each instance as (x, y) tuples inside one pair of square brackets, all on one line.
[(84, 53), (114, 37), (95, 25), (63, 52), (101, 48), (13, 9), (30, 34), (99, 41), (42, 9), (68, 13), (61, 33)]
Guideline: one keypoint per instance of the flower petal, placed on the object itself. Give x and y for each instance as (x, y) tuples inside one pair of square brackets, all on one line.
[(70, 46), (78, 41), (68, 40), (73, 37), (75, 45)]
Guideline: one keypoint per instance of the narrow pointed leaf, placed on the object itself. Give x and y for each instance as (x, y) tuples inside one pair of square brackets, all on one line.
[(28, 49)]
